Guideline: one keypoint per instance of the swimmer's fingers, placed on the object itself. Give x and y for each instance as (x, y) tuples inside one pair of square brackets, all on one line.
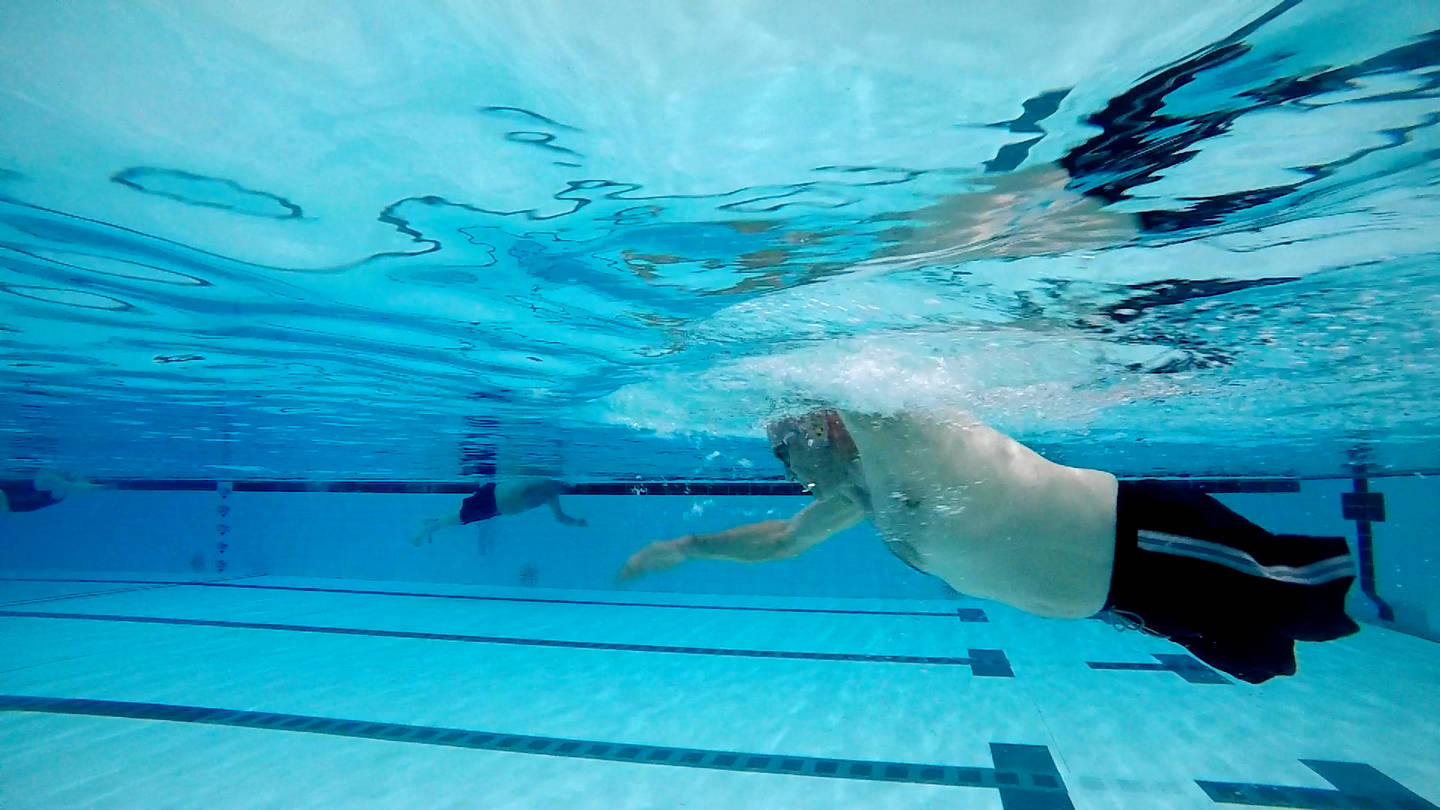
[(634, 568), (651, 559)]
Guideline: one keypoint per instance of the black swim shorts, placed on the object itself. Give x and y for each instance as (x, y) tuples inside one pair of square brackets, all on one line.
[(480, 506), (1233, 594), (22, 496)]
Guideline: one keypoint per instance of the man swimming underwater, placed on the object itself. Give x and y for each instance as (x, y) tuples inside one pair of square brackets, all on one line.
[(992, 518), (509, 497)]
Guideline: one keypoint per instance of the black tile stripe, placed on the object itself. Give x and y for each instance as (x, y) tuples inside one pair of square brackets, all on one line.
[(963, 614), (990, 663), (984, 667), (639, 487), (1358, 787), (1183, 665), (1035, 772), (1043, 790)]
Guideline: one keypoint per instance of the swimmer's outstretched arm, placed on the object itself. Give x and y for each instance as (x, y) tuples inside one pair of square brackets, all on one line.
[(754, 542)]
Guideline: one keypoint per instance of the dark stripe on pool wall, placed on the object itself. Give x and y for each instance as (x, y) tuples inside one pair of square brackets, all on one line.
[(1026, 772), (983, 663), (1223, 485), (963, 614), (688, 488), (1364, 507), (694, 488)]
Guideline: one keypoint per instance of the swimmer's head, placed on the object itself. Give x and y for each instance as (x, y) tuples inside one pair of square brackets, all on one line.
[(815, 448)]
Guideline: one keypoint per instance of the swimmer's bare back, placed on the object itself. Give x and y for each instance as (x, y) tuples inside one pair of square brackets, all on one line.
[(988, 515)]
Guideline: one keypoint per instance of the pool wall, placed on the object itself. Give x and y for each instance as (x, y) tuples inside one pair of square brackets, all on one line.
[(366, 536)]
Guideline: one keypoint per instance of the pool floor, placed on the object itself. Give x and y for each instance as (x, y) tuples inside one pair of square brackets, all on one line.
[(134, 691)]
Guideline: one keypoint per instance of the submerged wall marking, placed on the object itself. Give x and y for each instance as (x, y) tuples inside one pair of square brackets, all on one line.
[(1365, 507)]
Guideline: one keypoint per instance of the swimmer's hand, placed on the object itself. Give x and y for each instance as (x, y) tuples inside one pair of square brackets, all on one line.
[(654, 558)]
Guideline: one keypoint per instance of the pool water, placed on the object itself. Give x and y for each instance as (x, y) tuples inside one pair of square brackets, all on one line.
[(286, 280)]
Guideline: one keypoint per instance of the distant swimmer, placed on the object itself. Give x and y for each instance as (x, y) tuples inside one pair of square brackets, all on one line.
[(510, 497), (44, 489), (956, 499)]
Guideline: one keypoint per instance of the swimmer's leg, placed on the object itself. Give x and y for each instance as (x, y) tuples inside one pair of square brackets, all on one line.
[(54, 483), (561, 516), (60, 485), (429, 527)]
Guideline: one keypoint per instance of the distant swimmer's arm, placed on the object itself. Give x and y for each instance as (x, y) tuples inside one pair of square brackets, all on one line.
[(754, 542)]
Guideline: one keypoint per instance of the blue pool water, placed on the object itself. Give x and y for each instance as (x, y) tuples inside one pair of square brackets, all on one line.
[(287, 279)]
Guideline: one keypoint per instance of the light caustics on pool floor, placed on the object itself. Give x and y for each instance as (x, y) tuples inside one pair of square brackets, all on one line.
[(791, 702)]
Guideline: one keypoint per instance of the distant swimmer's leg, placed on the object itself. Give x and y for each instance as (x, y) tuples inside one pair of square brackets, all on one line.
[(59, 485), (427, 529), (81, 483), (426, 532), (562, 517), (4, 502), (54, 483)]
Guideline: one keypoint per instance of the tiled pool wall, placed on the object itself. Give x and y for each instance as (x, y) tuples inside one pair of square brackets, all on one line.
[(204, 530)]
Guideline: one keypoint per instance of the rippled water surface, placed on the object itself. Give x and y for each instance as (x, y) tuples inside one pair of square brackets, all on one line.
[(437, 238)]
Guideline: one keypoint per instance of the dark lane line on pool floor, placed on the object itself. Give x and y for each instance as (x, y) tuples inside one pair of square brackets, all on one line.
[(1025, 775), (58, 597), (963, 614), (982, 663)]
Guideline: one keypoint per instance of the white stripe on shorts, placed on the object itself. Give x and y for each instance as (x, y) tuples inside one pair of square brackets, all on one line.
[(1315, 573)]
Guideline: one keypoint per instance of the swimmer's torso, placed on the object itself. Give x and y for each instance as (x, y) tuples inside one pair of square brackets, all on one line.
[(988, 515)]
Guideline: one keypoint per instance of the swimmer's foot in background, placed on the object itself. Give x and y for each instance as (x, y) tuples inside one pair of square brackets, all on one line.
[(426, 533)]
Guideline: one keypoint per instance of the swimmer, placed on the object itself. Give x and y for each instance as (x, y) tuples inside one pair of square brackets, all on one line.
[(45, 489), (956, 499), (503, 498)]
